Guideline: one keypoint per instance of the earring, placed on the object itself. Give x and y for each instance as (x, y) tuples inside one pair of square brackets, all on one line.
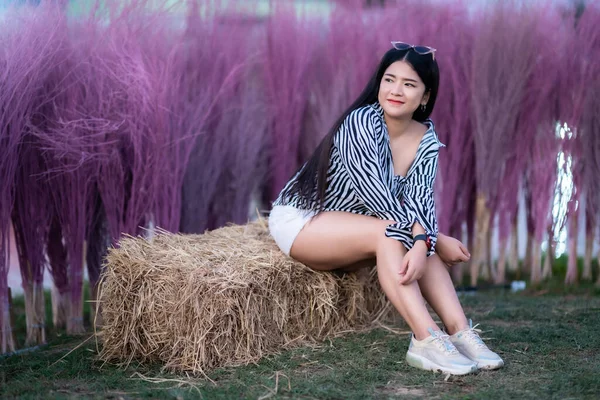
[(423, 107)]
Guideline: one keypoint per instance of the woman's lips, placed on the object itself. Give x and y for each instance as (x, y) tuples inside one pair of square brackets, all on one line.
[(396, 102)]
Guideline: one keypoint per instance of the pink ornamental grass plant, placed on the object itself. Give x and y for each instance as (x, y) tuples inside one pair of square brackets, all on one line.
[(222, 131), (70, 178), (341, 65), (453, 118), (31, 223), (28, 44), (503, 55), (537, 144), (289, 46), (579, 65)]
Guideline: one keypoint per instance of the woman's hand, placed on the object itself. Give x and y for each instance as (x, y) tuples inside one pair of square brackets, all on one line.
[(414, 263), (451, 251)]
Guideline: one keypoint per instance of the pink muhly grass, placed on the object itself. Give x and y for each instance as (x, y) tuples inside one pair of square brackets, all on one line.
[(589, 124), (579, 51), (26, 38), (290, 44), (578, 48), (70, 180), (535, 126), (343, 61), (31, 222), (142, 133), (217, 77), (243, 125), (207, 78), (542, 172), (588, 132), (58, 264), (71, 192), (503, 55), (123, 79), (590, 127), (98, 241), (414, 22), (538, 146), (453, 118), (101, 106)]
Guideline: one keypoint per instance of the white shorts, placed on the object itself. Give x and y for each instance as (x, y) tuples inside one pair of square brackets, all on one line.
[(285, 223)]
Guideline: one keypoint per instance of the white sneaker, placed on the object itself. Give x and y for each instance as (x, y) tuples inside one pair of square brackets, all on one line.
[(470, 344), (437, 353)]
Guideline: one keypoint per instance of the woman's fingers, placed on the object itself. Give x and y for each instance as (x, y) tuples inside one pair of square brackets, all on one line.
[(406, 278), (404, 265), (465, 251)]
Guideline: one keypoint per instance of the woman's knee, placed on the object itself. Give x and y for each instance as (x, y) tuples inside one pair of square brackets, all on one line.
[(379, 239)]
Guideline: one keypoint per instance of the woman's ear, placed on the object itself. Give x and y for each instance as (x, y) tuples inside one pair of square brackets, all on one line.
[(425, 98)]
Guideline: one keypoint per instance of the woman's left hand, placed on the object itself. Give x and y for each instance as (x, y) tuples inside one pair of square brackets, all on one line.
[(451, 251), (414, 263)]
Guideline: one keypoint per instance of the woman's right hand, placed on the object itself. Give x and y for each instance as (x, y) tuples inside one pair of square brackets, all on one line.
[(451, 250), (414, 263)]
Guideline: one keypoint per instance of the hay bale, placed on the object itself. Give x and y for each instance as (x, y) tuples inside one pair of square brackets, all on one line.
[(223, 298)]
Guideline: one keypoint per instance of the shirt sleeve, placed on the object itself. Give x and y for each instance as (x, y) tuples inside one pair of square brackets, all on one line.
[(418, 195), (357, 145), (420, 207)]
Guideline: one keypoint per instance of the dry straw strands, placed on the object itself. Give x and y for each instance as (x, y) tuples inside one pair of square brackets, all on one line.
[(224, 298)]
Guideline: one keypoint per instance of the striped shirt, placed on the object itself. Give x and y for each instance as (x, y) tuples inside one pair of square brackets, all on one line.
[(361, 179)]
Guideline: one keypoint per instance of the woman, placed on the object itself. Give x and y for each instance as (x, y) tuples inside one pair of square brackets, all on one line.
[(365, 197)]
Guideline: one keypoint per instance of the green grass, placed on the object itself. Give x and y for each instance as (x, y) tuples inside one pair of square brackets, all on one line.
[(550, 343)]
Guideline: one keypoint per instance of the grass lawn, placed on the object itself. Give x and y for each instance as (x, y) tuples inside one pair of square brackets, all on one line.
[(550, 342)]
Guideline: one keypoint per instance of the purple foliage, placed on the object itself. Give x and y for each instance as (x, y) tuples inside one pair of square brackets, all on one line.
[(218, 79), (504, 53), (70, 181), (580, 58), (589, 124), (98, 240), (453, 119), (24, 60), (590, 127), (31, 217), (536, 154), (290, 44), (344, 53), (57, 257), (243, 126)]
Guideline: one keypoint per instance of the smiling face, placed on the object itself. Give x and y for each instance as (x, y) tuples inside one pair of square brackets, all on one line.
[(401, 91)]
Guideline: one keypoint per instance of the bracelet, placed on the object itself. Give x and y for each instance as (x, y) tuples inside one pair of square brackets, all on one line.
[(424, 238)]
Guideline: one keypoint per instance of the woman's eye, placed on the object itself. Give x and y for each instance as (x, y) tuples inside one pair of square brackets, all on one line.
[(388, 79), (410, 85)]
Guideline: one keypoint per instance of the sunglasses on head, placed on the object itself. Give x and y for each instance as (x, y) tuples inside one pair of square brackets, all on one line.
[(422, 50)]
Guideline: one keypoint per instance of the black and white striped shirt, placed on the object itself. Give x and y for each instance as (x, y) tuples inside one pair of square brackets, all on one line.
[(361, 178)]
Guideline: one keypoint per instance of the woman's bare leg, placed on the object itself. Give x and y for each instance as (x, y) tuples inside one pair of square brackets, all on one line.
[(341, 240), (438, 289)]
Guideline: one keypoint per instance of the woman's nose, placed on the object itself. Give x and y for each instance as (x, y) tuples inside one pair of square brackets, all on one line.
[(397, 91)]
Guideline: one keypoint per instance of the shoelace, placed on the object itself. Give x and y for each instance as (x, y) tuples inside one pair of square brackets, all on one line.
[(442, 341), (472, 336)]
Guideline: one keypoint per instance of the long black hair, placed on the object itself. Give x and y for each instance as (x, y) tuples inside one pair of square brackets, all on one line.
[(311, 182)]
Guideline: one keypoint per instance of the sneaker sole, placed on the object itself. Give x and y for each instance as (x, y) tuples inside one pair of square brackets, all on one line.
[(417, 361), (490, 367)]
